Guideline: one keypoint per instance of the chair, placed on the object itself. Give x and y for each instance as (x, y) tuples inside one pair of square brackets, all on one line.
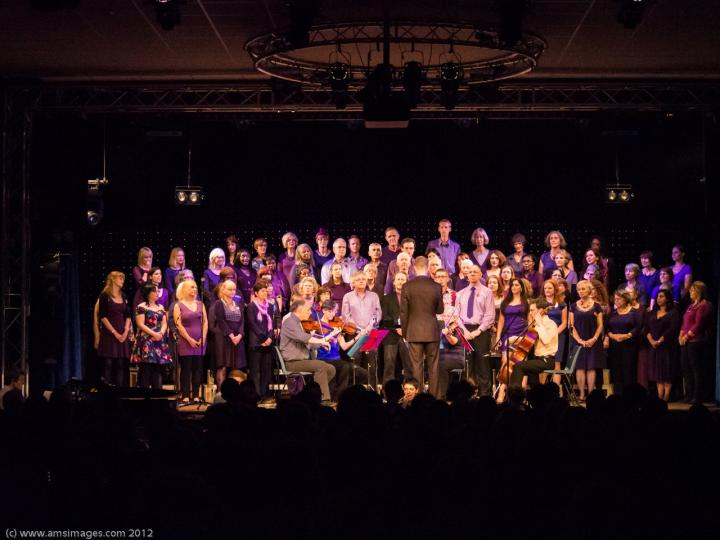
[(284, 370), (566, 376)]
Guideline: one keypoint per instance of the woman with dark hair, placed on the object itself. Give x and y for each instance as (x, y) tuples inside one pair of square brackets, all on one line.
[(649, 276), (518, 242), (338, 288), (554, 241), (260, 246), (623, 329), (593, 260), (495, 262), (191, 323), (682, 272), (176, 263), (694, 336), (115, 326), (228, 326), (155, 276), (260, 318), (231, 248), (666, 283), (246, 274), (662, 330), (506, 275), (151, 349), (586, 322), (512, 322), (597, 244)]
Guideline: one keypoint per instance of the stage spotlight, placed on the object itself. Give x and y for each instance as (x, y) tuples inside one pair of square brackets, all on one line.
[(167, 13), (631, 12), (451, 74), (95, 202), (189, 195), (619, 193), (412, 80), (339, 77)]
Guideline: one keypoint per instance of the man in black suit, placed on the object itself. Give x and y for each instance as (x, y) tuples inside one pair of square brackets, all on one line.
[(393, 343), (420, 303)]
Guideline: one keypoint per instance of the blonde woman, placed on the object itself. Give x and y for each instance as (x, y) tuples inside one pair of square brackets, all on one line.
[(228, 326), (191, 323), (287, 260), (586, 321), (176, 263), (211, 276), (562, 263), (144, 264), (113, 315)]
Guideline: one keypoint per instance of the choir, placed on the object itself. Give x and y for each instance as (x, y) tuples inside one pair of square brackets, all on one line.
[(654, 326)]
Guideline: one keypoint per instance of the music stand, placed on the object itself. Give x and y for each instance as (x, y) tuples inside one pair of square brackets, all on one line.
[(368, 343)]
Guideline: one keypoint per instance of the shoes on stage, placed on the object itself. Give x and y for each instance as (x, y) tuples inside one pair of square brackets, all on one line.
[(196, 400), (328, 403), (186, 400)]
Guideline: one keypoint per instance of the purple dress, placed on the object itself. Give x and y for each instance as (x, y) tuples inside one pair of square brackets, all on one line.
[(649, 283), (228, 320), (515, 323), (192, 321), (679, 277), (116, 313), (586, 326), (246, 279), (210, 281), (661, 364), (170, 275), (548, 264)]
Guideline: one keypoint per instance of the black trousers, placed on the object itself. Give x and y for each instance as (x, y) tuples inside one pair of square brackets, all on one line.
[(260, 365), (528, 367), (390, 354), (115, 371), (448, 362), (429, 352), (150, 375), (191, 373), (346, 373), (368, 361), (692, 363), (479, 365), (622, 358)]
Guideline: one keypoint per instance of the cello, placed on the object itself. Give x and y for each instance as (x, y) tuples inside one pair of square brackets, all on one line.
[(518, 352)]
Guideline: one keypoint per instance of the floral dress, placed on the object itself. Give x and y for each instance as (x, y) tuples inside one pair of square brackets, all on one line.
[(146, 349)]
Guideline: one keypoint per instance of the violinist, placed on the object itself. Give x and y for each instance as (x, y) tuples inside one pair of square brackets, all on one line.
[(546, 345), (334, 331)]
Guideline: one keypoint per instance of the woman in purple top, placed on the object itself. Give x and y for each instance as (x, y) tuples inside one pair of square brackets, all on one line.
[(554, 241), (666, 283), (228, 320), (662, 330), (515, 260), (191, 322), (512, 323), (287, 259), (175, 265), (623, 328), (682, 273), (211, 276), (261, 336), (246, 274), (155, 276), (694, 336), (281, 286), (586, 321), (479, 255), (113, 347), (303, 255), (140, 271), (338, 288), (649, 276)]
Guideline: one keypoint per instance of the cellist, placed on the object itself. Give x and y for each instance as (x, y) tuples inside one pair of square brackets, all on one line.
[(546, 344), (511, 326)]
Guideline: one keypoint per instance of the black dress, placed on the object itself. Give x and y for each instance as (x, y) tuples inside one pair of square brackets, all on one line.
[(228, 320), (662, 361)]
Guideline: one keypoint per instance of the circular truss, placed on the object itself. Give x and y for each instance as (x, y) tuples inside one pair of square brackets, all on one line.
[(360, 46)]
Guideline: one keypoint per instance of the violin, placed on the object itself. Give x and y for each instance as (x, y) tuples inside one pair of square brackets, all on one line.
[(336, 322), (519, 352)]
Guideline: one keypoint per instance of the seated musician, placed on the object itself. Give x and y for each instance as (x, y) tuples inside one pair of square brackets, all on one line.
[(295, 345), (452, 356), (545, 347), (345, 372)]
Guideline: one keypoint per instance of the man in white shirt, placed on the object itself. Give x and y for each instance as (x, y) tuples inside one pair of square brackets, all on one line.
[(545, 347)]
